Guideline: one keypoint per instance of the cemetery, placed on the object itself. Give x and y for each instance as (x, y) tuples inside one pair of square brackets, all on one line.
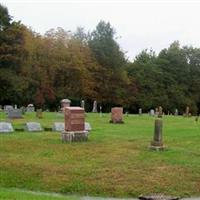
[(116, 160), (90, 113)]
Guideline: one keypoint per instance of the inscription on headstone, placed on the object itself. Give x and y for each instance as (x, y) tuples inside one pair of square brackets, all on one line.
[(6, 127), (33, 126)]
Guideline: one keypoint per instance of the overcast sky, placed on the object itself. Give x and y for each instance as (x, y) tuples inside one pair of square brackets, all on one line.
[(140, 24)]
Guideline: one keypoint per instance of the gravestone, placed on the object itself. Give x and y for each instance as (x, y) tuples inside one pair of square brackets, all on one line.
[(33, 126), (23, 109), (6, 127), (160, 112), (39, 113), (140, 111), (7, 108), (187, 111), (100, 111), (152, 112), (65, 103), (88, 127), (30, 108), (94, 109), (83, 104), (58, 126), (74, 125), (176, 112), (117, 115), (157, 143), (15, 114)]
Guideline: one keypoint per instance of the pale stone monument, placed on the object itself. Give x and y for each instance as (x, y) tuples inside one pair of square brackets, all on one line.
[(30, 108), (83, 104), (94, 109), (140, 111), (59, 126), (65, 103)]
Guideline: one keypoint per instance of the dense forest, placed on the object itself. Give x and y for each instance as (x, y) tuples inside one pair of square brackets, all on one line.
[(43, 69)]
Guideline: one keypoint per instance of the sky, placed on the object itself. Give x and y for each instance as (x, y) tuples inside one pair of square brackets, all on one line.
[(139, 24)]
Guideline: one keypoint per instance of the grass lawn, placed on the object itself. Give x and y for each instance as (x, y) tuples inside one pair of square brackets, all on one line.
[(115, 161)]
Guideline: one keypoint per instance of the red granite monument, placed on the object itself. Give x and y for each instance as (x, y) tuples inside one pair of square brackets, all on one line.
[(116, 115), (74, 125)]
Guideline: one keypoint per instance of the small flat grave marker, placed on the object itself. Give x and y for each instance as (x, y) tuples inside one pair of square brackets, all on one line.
[(87, 127), (58, 126), (33, 126), (6, 127)]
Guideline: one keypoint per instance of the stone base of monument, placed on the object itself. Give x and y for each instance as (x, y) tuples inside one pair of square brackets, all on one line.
[(116, 122), (157, 146), (74, 136)]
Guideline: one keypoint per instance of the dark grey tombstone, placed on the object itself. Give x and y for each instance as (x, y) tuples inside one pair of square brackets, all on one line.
[(94, 109), (6, 127), (88, 127), (33, 127), (58, 126), (157, 143), (15, 114)]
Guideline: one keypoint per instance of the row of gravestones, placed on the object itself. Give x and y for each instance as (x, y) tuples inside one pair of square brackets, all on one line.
[(6, 127)]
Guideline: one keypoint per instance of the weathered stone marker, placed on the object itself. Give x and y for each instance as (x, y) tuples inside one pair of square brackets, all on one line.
[(117, 115), (187, 111), (6, 127), (39, 113), (15, 114), (157, 197), (74, 125), (33, 126), (140, 111), (157, 143), (83, 104), (160, 112), (30, 108), (94, 109), (58, 126), (65, 103)]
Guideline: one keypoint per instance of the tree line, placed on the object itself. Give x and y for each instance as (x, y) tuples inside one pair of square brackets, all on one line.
[(43, 69)]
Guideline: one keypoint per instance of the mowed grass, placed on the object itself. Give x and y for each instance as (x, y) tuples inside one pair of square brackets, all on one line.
[(116, 161)]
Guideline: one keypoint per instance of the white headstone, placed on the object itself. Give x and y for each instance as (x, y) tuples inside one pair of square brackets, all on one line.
[(33, 126), (152, 112), (87, 126), (59, 126), (6, 127)]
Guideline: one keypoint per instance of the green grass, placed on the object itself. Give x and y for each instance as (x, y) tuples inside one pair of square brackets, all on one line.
[(115, 161)]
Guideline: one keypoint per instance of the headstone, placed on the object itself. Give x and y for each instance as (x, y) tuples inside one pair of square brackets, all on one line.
[(74, 125), (140, 111), (83, 104), (88, 127), (176, 112), (65, 103), (23, 109), (94, 109), (15, 106), (156, 111), (59, 126), (39, 113), (158, 197), (7, 108), (74, 119), (157, 143), (187, 111), (30, 108), (160, 111), (100, 108), (152, 112), (14, 114), (116, 115), (6, 127), (33, 126)]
